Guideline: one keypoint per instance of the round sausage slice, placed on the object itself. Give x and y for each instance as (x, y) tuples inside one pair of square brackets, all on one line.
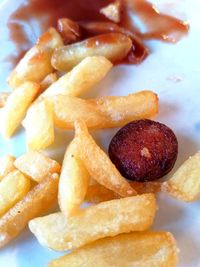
[(144, 150)]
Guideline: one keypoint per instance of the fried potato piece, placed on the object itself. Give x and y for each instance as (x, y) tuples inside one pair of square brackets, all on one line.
[(112, 11), (103, 112), (39, 125), (98, 163), (12, 189), (69, 30), (105, 219), (89, 72), (3, 98), (152, 249), (36, 64), (6, 165), (48, 81), (113, 46), (73, 183), (16, 106), (97, 193), (36, 165), (38, 200), (185, 183)]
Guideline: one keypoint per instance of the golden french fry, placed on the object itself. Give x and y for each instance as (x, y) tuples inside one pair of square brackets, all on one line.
[(37, 201), (103, 112), (73, 183), (97, 193), (81, 78), (39, 125), (98, 163), (112, 11), (150, 249), (105, 219), (36, 64), (16, 106), (3, 98), (36, 165), (12, 189), (48, 81), (185, 183), (113, 46), (6, 165), (69, 30)]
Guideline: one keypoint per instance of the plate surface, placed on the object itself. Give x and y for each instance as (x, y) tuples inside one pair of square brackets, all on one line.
[(172, 71)]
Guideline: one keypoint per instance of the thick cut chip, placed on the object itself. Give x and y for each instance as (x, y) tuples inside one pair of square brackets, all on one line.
[(36, 64), (105, 219), (6, 165), (16, 106), (89, 72), (104, 112), (185, 183), (73, 183), (48, 81), (36, 165), (3, 98), (98, 163), (37, 201), (146, 249), (12, 189), (39, 125), (113, 46), (97, 193)]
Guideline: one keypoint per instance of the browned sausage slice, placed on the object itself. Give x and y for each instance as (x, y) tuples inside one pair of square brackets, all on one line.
[(144, 150)]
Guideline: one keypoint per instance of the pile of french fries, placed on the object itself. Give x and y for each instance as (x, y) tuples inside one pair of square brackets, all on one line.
[(114, 230)]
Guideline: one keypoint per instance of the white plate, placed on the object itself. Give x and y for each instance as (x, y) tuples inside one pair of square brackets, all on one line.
[(179, 109)]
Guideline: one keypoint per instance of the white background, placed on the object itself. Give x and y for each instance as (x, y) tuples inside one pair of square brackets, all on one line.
[(179, 109)]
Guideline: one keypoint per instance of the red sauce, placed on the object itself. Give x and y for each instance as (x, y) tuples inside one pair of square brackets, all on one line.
[(159, 26)]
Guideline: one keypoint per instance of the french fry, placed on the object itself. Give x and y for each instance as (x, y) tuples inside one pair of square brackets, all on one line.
[(16, 106), (36, 64), (113, 46), (12, 189), (103, 112), (112, 11), (185, 183), (81, 78), (48, 81), (6, 165), (105, 219), (36, 165), (39, 125), (98, 163), (97, 193), (3, 98), (73, 183), (37, 201), (152, 249)]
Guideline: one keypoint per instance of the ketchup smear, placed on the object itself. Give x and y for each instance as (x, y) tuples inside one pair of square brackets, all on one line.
[(158, 26)]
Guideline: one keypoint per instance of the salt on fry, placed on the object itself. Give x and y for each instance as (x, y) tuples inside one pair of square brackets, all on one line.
[(103, 112), (135, 249), (37, 201), (102, 220), (12, 189), (98, 163), (36, 165)]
